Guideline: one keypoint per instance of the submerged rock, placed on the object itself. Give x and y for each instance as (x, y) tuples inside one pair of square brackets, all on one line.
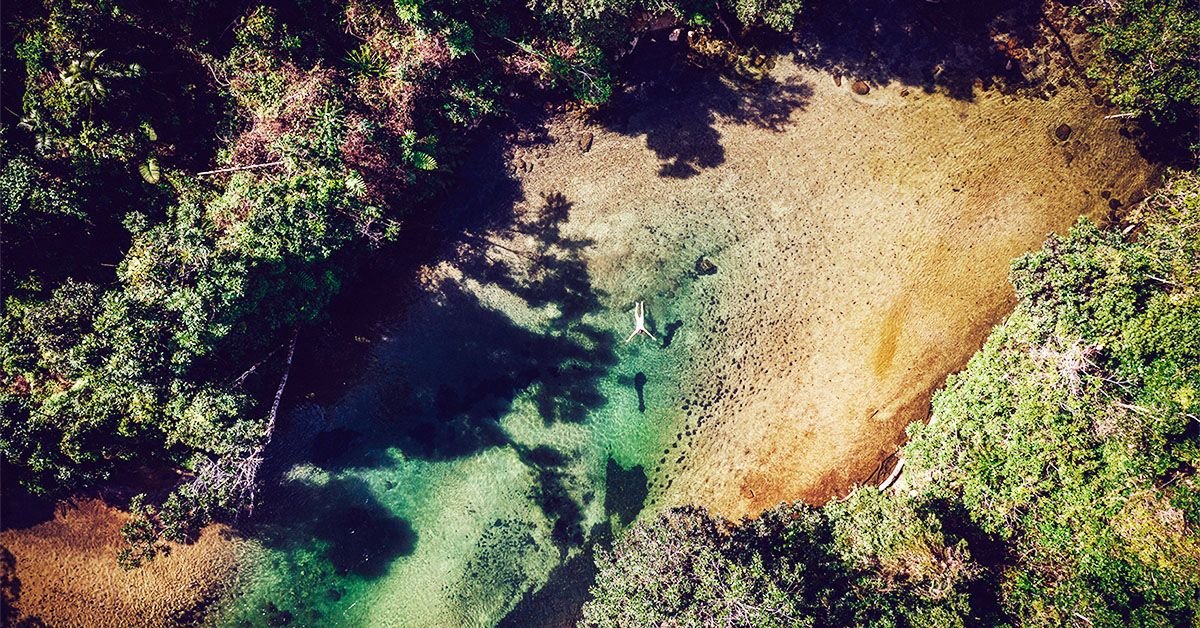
[(1063, 132), (860, 87), (705, 266)]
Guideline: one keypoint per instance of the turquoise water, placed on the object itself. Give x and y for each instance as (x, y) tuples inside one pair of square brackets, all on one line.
[(503, 428)]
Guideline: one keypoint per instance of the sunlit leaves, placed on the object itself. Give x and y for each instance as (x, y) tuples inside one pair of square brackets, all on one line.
[(149, 170)]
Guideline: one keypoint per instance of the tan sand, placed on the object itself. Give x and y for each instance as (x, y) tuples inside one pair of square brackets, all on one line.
[(68, 573), (863, 244)]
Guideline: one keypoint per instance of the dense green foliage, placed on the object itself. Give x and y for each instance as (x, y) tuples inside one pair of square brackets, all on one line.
[(1073, 433), (1063, 459), (869, 560), (691, 568), (1149, 56)]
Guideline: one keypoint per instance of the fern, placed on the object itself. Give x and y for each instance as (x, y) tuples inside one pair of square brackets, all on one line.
[(355, 184), (422, 160), (416, 151)]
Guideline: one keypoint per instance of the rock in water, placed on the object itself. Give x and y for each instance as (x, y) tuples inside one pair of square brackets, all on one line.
[(1063, 132), (585, 142), (705, 266), (860, 87)]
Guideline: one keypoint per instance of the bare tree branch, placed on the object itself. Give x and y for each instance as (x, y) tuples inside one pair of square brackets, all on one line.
[(237, 168)]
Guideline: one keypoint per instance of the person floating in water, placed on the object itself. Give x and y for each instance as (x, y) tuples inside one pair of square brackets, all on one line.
[(639, 321)]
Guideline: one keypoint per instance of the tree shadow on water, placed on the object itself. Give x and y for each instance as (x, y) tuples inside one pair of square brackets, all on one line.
[(360, 536), (457, 364), (625, 491), (639, 384), (552, 495), (669, 333), (560, 601), (457, 360), (444, 385)]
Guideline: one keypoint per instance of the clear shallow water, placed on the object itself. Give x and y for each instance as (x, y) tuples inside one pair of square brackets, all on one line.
[(501, 430)]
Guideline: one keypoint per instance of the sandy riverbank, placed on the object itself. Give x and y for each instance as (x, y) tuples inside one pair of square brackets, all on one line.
[(862, 242), (64, 571)]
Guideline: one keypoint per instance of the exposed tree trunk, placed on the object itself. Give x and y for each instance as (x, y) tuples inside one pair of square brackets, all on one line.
[(891, 479), (287, 370), (236, 475)]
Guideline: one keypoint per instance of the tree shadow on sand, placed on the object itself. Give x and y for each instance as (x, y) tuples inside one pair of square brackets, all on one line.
[(10, 595), (678, 110), (946, 46), (930, 45)]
